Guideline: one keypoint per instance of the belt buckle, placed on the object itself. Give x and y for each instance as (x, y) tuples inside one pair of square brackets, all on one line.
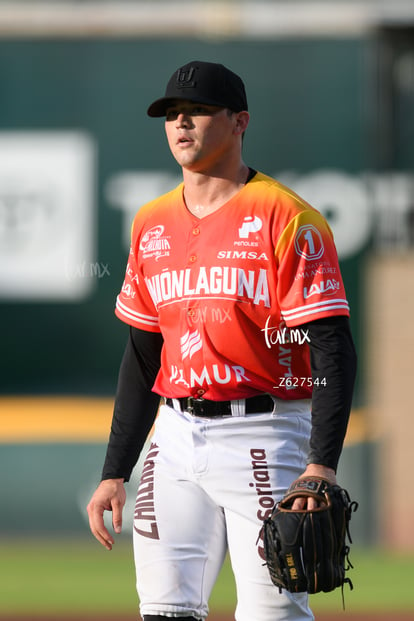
[(191, 401), (190, 405)]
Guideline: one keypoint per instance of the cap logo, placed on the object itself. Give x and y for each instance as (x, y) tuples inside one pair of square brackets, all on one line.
[(185, 78)]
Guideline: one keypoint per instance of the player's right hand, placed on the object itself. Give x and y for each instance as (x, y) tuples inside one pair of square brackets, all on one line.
[(109, 496)]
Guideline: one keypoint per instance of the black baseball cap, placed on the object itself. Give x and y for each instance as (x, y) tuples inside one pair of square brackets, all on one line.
[(202, 82)]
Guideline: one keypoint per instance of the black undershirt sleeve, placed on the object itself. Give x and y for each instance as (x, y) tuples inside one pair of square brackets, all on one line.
[(333, 359), (135, 406)]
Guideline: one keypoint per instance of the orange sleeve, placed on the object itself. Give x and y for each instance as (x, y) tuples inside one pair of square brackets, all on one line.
[(134, 304), (310, 284)]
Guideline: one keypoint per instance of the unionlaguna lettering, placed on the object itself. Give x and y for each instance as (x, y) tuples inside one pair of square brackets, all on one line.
[(169, 286), (144, 506)]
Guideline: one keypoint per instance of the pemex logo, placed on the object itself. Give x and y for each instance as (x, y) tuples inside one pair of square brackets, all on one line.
[(190, 343), (251, 224)]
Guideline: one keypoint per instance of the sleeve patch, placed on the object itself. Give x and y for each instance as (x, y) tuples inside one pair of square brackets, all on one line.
[(309, 242)]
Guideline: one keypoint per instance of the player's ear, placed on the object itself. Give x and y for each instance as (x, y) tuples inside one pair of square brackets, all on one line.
[(242, 121)]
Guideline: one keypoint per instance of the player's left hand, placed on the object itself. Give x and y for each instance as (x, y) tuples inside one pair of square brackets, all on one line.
[(308, 549), (313, 470)]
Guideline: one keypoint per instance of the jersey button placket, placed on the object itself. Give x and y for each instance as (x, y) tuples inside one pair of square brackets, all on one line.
[(192, 305), (193, 257)]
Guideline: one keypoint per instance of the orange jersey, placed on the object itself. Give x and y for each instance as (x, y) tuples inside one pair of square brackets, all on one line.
[(230, 292)]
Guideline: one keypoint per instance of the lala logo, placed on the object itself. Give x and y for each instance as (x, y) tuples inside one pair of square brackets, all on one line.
[(328, 287)]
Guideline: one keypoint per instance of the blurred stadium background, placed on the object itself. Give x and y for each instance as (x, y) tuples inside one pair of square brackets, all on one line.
[(331, 94)]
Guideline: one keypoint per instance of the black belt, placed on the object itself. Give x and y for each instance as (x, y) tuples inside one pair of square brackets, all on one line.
[(210, 409)]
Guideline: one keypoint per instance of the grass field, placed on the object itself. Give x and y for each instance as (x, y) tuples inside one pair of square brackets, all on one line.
[(78, 576)]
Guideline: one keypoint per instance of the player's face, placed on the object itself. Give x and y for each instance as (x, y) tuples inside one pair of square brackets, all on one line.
[(200, 135)]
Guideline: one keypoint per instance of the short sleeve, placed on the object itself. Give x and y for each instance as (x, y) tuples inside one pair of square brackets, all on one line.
[(310, 284), (134, 304)]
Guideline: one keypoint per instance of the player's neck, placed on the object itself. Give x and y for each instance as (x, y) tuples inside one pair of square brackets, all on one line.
[(206, 193)]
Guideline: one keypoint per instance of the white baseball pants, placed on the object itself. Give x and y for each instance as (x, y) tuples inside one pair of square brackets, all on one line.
[(206, 485)]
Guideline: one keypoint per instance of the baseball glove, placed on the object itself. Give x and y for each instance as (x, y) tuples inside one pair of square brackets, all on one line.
[(307, 550)]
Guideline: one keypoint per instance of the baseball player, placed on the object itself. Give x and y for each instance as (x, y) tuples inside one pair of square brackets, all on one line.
[(239, 339)]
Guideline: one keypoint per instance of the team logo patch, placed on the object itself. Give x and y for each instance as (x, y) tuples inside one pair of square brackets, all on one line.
[(184, 78), (155, 243), (309, 243)]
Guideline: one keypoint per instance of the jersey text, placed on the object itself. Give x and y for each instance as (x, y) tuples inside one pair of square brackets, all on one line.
[(228, 281)]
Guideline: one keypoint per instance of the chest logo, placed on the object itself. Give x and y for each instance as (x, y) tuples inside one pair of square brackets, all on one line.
[(190, 343), (251, 224), (155, 243)]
